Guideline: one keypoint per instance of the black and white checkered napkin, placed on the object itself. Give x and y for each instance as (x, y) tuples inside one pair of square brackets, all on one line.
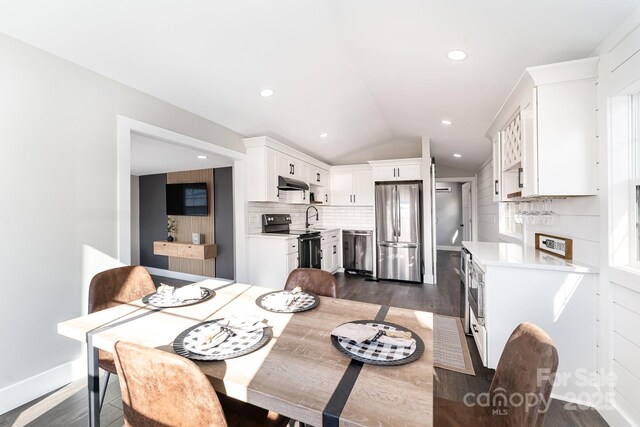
[(287, 301), (241, 336), (167, 297), (376, 350)]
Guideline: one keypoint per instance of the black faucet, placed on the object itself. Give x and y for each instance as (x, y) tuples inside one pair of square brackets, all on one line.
[(306, 215)]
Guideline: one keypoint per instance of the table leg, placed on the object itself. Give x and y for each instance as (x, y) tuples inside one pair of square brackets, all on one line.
[(93, 384)]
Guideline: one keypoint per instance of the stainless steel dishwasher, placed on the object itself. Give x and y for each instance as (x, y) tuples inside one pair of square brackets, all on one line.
[(357, 251)]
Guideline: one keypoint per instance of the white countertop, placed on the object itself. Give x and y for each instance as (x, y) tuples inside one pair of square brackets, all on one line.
[(517, 255), (272, 236)]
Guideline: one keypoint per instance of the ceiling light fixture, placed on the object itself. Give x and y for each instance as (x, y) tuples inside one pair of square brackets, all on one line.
[(324, 135), (457, 155), (446, 122), (457, 55), (266, 93), (201, 156)]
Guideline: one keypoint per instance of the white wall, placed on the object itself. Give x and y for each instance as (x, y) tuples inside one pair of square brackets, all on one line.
[(488, 219), (449, 216), (58, 141), (444, 171), (135, 220)]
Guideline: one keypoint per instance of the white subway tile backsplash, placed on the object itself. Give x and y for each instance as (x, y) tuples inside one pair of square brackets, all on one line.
[(345, 217)]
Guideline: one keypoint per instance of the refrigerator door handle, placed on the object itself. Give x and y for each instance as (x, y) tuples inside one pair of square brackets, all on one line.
[(398, 245), (398, 229), (393, 212)]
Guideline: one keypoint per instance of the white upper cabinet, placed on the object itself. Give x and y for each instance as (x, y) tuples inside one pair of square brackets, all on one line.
[(544, 136), (497, 179), (352, 185), (396, 170), (268, 159)]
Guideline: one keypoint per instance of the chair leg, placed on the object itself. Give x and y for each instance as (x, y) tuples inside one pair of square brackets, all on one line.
[(103, 391)]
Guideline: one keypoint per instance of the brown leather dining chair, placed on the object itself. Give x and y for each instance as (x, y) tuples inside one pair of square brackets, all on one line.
[(313, 280), (161, 389), (109, 289), (528, 351)]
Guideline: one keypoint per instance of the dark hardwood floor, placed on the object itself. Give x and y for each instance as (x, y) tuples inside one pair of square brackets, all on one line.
[(67, 406)]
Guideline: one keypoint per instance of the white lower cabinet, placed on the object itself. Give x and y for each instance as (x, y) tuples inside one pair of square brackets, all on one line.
[(529, 286), (292, 262), (271, 259), (331, 259)]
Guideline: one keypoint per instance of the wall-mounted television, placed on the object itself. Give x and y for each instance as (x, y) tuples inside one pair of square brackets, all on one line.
[(188, 199)]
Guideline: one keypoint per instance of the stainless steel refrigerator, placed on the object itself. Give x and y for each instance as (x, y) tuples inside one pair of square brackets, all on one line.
[(399, 231)]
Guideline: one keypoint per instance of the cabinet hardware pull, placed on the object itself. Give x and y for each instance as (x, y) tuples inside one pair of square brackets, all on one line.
[(318, 176), (354, 198), (398, 172), (520, 184), (394, 172), (334, 249), (495, 187), (326, 198)]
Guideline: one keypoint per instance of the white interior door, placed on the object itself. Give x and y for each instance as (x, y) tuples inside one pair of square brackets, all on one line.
[(466, 211)]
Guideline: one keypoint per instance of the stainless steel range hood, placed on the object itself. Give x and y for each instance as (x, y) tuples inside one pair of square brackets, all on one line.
[(290, 184)]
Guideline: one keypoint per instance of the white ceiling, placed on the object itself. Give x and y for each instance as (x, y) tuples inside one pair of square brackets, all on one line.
[(366, 71), (151, 156)]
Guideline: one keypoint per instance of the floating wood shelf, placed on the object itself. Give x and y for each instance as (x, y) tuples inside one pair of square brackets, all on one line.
[(185, 250)]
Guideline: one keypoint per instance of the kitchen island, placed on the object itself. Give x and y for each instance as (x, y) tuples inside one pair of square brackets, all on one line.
[(511, 284)]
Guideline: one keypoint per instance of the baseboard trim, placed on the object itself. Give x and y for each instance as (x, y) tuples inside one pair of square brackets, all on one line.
[(177, 274), (448, 248), (25, 391)]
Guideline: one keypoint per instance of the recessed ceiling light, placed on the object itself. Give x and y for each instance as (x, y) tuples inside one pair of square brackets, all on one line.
[(201, 156), (457, 155), (324, 135), (446, 122), (457, 55), (265, 93)]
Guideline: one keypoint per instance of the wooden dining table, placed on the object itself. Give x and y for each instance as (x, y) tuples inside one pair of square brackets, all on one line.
[(298, 373)]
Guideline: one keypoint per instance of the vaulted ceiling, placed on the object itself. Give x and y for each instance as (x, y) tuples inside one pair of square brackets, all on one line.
[(373, 74)]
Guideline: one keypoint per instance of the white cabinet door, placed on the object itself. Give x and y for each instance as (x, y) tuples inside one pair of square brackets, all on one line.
[(384, 173), (327, 258), (336, 256), (363, 192), (408, 172), (315, 176), (342, 188), (300, 170), (292, 262), (527, 178), (497, 180), (284, 166)]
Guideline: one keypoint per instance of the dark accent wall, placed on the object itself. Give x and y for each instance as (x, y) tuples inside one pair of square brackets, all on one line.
[(153, 219), (223, 213)]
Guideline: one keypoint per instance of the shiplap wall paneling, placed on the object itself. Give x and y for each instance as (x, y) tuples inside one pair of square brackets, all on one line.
[(487, 209), (194, 224)]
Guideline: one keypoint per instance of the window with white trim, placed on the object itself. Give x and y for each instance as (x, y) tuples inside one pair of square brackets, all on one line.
[(624, 175)]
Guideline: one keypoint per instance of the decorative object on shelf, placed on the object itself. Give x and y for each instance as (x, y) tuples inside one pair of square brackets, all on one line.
[(196, 238), (172, 226), (554, 245)]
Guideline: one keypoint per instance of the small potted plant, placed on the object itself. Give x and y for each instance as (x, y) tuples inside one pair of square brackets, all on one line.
[(172, 226)]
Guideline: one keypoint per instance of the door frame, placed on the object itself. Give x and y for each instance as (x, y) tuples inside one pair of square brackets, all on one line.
[(125, 127), (474, 201)]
